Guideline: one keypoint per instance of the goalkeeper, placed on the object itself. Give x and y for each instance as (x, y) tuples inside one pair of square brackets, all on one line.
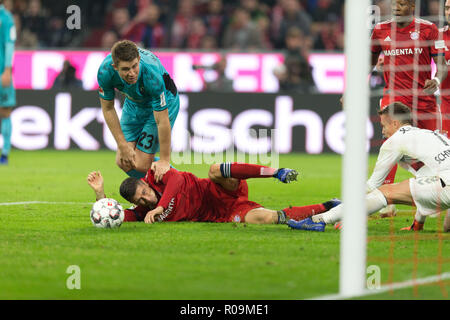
[(222, 197), (424, 153)]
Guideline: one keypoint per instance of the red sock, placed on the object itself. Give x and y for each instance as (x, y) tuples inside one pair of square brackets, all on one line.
[(240, 170), (391, 175), (300, 213)]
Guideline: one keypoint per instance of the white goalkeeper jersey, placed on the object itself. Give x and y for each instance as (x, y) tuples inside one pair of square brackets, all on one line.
[(422, 152)]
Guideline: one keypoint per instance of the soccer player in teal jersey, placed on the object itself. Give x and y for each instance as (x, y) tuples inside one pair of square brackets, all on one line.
[(149, 112), (7, 92)]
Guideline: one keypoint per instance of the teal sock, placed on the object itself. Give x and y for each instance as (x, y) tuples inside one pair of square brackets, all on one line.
[(135, 174), (6, 134)]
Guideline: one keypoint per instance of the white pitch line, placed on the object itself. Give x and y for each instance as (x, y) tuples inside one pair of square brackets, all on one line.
[(388, 287), (393, 286), (40, 202)]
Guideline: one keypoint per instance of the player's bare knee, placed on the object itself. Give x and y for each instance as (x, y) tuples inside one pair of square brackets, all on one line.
[(142, 167), (5, 112), (119, 164), (125, 168)]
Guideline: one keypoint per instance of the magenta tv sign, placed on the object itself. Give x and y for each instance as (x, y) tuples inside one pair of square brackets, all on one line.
[(251, 72)]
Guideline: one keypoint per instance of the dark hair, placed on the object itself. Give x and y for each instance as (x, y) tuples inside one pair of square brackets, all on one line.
[(124, 50), (398, 111), (128, 188)]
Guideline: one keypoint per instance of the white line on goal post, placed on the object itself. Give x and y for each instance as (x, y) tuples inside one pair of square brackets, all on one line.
[(356, 106), (388, 287)]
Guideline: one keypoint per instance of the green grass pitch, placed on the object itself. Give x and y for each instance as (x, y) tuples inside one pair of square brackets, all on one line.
[(38, 242)]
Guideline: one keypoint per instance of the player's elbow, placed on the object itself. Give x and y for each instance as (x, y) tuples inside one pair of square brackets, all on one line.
[(107, 105)]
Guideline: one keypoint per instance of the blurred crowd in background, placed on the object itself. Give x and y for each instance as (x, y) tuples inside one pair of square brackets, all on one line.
[(188, 24), (296, 27), (182, 24)]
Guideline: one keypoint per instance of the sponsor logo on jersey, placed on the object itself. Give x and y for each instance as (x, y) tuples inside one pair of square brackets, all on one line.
[(167, 211), (403, 52), (405, 130)]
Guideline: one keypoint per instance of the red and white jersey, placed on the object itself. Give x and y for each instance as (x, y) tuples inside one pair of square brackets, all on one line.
[(408, 54), (422, 152), (445, 85)]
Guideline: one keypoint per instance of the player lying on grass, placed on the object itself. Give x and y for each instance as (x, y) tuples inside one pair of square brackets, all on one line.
[(424, 153), (222, 197)]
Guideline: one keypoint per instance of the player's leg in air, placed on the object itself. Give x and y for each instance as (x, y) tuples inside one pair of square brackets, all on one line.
[(229, 176)]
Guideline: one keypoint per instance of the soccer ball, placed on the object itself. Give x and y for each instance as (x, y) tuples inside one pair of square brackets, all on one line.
[(107, 213)]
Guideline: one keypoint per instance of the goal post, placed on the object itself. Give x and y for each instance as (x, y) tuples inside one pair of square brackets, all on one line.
[(352, 273)]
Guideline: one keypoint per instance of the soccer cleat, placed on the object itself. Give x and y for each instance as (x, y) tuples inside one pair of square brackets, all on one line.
[(307, 224), (286, 175), (3, 160), (416, 226), (338, 225)]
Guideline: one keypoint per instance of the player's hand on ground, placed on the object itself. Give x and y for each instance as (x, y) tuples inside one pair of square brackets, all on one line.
[(430, 86), (160, 168), (152, 215), (416, 226), (95, 181), (127, 157)]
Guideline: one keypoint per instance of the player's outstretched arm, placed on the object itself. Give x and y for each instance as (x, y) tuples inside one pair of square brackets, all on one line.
[(127, 153), (164, 136), (95, 181)]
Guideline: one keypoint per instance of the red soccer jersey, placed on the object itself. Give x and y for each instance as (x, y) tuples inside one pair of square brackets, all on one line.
[(186, 197), (445, 86), (407, 54)]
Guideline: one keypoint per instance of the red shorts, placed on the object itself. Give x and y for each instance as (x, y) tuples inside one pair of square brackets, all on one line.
[(226, 205), (426, 117)]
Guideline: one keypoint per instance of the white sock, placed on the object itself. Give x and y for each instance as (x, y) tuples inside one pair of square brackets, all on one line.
[(374, 202), (419, 217)]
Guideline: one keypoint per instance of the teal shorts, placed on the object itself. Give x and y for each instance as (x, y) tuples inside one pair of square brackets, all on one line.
[(7, 97), (138, 124)]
